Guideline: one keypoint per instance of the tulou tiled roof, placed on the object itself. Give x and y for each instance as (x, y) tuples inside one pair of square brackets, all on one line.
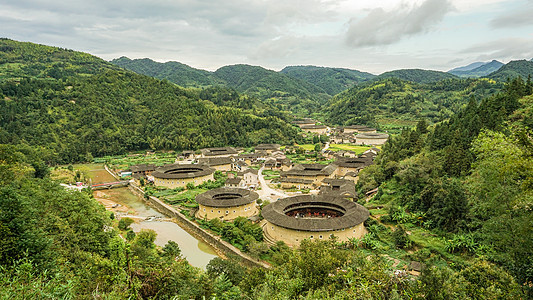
[(354, 213), (219, 151), (310, 170), (267, 147), (358, 162), (215, 161), (177, 171), (226, 197), (142, 168), (369, 135)]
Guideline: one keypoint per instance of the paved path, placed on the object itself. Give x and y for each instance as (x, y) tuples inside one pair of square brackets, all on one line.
[(325, 147), (268, 192)]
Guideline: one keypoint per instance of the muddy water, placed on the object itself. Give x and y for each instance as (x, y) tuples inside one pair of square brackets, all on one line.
[(197, 252)]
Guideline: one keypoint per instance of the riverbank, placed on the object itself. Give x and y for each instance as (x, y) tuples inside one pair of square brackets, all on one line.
[(123, 203)]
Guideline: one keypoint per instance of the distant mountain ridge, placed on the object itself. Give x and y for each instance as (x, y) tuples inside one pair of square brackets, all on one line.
[(468, 67), (176, 72), (331, 80), (515, 68), (481, 69), (416, 75)]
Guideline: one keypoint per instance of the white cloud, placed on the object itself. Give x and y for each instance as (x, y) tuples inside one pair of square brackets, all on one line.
[(383, 27), (516, 18)]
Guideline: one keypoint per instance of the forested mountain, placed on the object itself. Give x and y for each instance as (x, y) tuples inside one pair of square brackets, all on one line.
[(515, 68), (76, 106), (176, 72), (467, 67), (392, 98), (417, 75), (479, 71), (469, 178), (266, 87), (331, 80)]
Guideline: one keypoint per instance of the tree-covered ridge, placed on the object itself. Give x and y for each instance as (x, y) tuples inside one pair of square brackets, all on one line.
[(417, 75), (79, 116), (515, 68), (331, 80), (368, 103), (266, 83), (178, 73), (23, 59), (469, 179)]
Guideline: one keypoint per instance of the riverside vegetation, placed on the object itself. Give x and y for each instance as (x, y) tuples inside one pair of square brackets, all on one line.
[(458, 192)]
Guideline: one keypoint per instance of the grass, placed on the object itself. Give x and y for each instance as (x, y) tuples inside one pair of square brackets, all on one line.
[(349, 147), (125, 161), (307, 147)]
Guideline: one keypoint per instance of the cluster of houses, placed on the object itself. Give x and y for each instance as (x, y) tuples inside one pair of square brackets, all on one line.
[(353, 134), (196, 168), (330, 210)]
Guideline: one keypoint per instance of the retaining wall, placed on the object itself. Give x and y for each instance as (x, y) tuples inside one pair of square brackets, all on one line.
[(224, 248)]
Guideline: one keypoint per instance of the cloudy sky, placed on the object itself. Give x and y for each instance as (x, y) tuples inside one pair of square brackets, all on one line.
[(367, 35)]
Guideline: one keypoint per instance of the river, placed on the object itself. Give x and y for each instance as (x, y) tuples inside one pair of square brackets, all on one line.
[(196, 252)]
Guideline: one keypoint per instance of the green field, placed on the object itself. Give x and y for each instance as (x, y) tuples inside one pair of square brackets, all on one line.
[(350, 147)]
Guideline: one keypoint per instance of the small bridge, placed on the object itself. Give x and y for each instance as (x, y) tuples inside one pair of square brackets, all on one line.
[(109, 185)]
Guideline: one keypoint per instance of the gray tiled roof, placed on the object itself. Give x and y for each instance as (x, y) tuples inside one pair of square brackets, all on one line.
[(310, 170), (354, 213), (177, 171), (226, 197)]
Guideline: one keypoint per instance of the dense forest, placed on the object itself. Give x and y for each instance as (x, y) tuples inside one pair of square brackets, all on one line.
[(522, 68), (75, 107), (468, 178), (267, 87), (417, 75), (331, 80), (392, 98)]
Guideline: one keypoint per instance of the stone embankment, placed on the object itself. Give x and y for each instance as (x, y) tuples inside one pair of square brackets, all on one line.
[(222, 247)]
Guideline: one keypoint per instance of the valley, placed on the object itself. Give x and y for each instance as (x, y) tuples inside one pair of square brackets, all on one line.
[(316, 179)]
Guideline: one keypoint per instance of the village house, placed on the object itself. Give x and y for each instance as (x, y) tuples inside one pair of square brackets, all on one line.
[(268, 148), (304, 122), (278, 164), (250, 178), (306, 176), (218, 152), (235, 182), (346, 165), (338, 188), (317, 129), (358, 129), (223, 163), (252, 158), (239, 166), (142, 169), (371, 138)]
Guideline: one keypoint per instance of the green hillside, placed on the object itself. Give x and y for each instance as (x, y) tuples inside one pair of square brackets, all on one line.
[(275, 88), (331, 80), (175, 72), (522, 68), (79, 108), (417, 75), (376, 102)]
